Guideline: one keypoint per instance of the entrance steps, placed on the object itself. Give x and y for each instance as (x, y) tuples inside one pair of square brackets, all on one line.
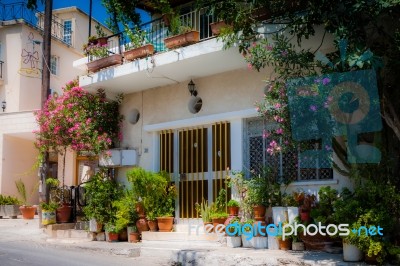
[(66, 233)]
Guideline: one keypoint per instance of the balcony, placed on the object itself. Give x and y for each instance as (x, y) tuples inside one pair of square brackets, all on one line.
[(11, 13), (165, 66)]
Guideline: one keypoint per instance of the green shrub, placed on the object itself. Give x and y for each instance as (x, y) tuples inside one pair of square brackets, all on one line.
[(233, 203)]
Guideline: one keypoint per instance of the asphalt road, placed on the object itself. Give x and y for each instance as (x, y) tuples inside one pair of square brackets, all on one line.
[(21, 253)]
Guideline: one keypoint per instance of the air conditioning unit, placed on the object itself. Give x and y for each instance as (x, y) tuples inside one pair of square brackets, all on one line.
[(118, 158)]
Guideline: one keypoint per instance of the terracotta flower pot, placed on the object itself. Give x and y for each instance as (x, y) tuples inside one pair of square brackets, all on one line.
[(139, 52), (112, 237), (64, 214), (208, 227), (216, 222), (142, 225), (259, 211), (153, 225), (96, 65), (233, 211), (217, 26), (182, 39), (28, 212), (123, 235), (165, 224), (102, 40), (134, 237), (285, 244), (305, 216)]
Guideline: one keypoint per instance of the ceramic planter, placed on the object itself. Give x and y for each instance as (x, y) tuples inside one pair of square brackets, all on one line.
[(246, 243), (11, 211), (139, 52), (298, 246), (94, 226), (217, 222), (153, 225), (285, 244), (293, 212), (259, 211), (96, 65), (184, 39), (351, 253), (233, 241), (112, 237), (48, 217), (64, 214), (165, 224), (278, 214), (134, 237), (28, 212), (233, 211), (259, 242)]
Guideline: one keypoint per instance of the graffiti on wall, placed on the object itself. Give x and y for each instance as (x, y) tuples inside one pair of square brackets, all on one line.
[(30, 58)]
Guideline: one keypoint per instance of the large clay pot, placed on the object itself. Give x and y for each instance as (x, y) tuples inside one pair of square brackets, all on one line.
[(165, 224), (285, 244), (28, 212), (259, 211), (153, 225), (233, 211), (112, 237), (217, 222), (64, 213), (208, 227), (184, 39), (134, 237), (142, 225)]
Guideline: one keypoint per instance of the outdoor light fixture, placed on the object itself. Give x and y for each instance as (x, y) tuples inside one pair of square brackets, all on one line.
[(3, 105), (192, 88)]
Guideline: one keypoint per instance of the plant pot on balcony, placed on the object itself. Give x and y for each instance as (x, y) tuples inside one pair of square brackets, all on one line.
[(139, 52), (184, 39), (102, 40), (217, 26), (96, 65)]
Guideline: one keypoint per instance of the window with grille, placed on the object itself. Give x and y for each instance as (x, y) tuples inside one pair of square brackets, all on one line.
[(54, 65), (285, 164), (67, 36)]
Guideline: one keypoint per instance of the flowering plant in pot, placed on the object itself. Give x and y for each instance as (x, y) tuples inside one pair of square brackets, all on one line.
[(305, 202)]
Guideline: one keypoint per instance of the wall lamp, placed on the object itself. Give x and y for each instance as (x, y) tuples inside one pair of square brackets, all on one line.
[(3, 105), (192, 88)]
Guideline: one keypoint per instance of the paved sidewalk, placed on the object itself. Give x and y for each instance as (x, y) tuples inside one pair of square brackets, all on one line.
[(160, 252)]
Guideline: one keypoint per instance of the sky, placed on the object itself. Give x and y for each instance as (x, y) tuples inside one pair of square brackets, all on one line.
[(98, 11)]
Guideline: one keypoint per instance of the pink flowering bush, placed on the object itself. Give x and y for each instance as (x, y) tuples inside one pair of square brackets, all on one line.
[(79, 121)]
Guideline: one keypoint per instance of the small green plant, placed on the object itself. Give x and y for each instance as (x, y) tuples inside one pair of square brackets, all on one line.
[(99, 31), (219, 215), (9, 200), (51, 206), (23, 193), (137, 38), (52, 182), (204, 210), (233, 203), (233, 220), (111, 228)]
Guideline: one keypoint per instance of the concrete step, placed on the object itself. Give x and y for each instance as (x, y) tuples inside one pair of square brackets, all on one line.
[(178, 236), (66, 231), (70, 240)]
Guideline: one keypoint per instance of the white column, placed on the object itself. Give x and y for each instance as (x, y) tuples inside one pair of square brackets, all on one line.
[(236, 148), (155, 149)]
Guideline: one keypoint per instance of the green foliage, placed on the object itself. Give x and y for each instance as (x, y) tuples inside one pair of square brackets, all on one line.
[(219, 215), (137, 38), (52, 182), (204, 210), (9, 200), (99, 30), (101, 192), (233, 203), (51, 206), (121, 11), (23, 194), (324, 210), (111, 227), (125, 212)]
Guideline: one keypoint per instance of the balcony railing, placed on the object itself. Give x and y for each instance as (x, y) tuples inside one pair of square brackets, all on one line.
[(157, 30), (19, 11)]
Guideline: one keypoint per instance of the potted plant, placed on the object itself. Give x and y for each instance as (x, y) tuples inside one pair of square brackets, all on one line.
[(101, 35), (180, 35), (101, 192), (233, 239), (218, 213), (125, 214), (305, 202), (152, 221), (166, 210), (233, 207), (247, 233), (138, 47), (205, 213), (285, 244), (27, 210), (48, 212), (134, 235), (111, 232), (257, 196), (218, 27), (60, 195), (9, 206), (297, 244)]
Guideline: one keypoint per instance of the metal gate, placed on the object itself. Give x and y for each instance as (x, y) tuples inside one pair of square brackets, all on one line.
[(200, 157)]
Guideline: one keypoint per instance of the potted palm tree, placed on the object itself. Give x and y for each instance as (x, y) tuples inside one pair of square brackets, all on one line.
[(204, 210), (138, 47), (27, 210)]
